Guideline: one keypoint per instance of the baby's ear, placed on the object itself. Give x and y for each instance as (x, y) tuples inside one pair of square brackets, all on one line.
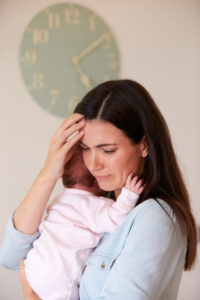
[(144, 147)]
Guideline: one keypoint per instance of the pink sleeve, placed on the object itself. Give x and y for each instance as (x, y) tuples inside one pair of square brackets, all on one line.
[(109, 214)]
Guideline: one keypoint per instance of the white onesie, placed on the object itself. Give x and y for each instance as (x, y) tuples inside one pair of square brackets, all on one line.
[(75, 223)]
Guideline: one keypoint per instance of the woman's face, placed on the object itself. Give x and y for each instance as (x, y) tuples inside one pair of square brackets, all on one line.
[(109, 154)]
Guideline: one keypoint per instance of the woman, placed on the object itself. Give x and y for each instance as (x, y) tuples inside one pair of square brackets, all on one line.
[(122, 131)]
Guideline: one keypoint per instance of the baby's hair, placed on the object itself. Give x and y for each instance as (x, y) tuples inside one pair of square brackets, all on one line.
[(75, 172)]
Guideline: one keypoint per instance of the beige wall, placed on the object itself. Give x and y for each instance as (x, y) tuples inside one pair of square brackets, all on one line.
[(159, 43)]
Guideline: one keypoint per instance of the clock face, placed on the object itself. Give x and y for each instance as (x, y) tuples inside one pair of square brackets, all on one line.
[(66, 50)]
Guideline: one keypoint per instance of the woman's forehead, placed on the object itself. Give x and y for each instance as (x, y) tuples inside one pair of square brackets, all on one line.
[(101, 133)]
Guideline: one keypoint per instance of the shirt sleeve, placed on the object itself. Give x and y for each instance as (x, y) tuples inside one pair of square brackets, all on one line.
[(15, 246), (154, 248), (109, 214)]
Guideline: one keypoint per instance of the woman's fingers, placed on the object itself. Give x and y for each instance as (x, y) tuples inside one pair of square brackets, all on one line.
[(72, 141), (65, 133), (68, 122), (73, 129), (60, 149)]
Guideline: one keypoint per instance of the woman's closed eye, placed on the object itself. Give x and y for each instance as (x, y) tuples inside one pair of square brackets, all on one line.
[(84, 148), (109, 151)]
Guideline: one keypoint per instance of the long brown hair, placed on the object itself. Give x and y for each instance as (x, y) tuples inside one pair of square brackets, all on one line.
[(127, 105)]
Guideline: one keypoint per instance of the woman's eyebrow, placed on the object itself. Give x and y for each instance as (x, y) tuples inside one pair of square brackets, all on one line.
[(106, 145), (100, 145)]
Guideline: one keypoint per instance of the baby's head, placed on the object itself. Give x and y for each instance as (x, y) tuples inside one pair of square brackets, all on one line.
[(76, 175)]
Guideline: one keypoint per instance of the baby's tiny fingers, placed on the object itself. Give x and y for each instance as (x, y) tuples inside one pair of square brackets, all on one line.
[(141, 189), (139, 183), (134, 181), (129, 178)]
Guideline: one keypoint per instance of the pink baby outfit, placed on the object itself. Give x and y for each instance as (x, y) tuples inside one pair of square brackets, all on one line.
[(75, 223)]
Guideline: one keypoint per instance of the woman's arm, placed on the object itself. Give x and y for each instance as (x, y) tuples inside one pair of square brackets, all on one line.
[(15, 245), (27, 290), (22, 229), (29, 213), (106, 214)]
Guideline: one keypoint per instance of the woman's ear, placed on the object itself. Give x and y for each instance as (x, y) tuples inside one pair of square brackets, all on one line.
[(144, 147)]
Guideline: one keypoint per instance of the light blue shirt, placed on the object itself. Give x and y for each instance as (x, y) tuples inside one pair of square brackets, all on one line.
[(143, 259)]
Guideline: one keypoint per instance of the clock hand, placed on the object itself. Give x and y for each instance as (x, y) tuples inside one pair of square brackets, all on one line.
[(95, 44), (84, 78), (76, 59)]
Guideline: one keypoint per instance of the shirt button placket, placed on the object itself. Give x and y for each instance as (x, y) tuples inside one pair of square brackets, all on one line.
[(103, 265)]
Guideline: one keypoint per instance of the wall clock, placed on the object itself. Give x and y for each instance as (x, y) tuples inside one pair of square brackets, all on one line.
[(65, 50)]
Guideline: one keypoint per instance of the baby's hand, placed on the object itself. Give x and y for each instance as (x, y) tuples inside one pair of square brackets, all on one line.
[(134, 184)]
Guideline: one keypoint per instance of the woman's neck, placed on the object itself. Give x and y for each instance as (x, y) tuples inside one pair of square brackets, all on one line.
[(117, 192)]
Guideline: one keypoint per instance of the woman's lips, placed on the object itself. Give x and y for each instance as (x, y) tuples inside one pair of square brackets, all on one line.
[(99, 178)]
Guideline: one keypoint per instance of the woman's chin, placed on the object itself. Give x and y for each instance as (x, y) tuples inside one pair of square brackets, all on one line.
[(105, 187), (108, 187)]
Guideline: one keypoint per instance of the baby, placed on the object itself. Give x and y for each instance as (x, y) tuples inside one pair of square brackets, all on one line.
[(73, 227)]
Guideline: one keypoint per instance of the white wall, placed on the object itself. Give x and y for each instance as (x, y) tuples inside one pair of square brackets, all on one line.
[(159, 43)]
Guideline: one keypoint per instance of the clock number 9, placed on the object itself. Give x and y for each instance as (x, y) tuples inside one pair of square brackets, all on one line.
[(30, 57)]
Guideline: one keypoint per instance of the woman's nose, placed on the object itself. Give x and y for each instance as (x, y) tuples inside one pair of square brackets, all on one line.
[(95, 163)]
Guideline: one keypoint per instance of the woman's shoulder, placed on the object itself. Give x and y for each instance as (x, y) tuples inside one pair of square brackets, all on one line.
[(155, 217), (154, 208), (154, 220), (152, 225)]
